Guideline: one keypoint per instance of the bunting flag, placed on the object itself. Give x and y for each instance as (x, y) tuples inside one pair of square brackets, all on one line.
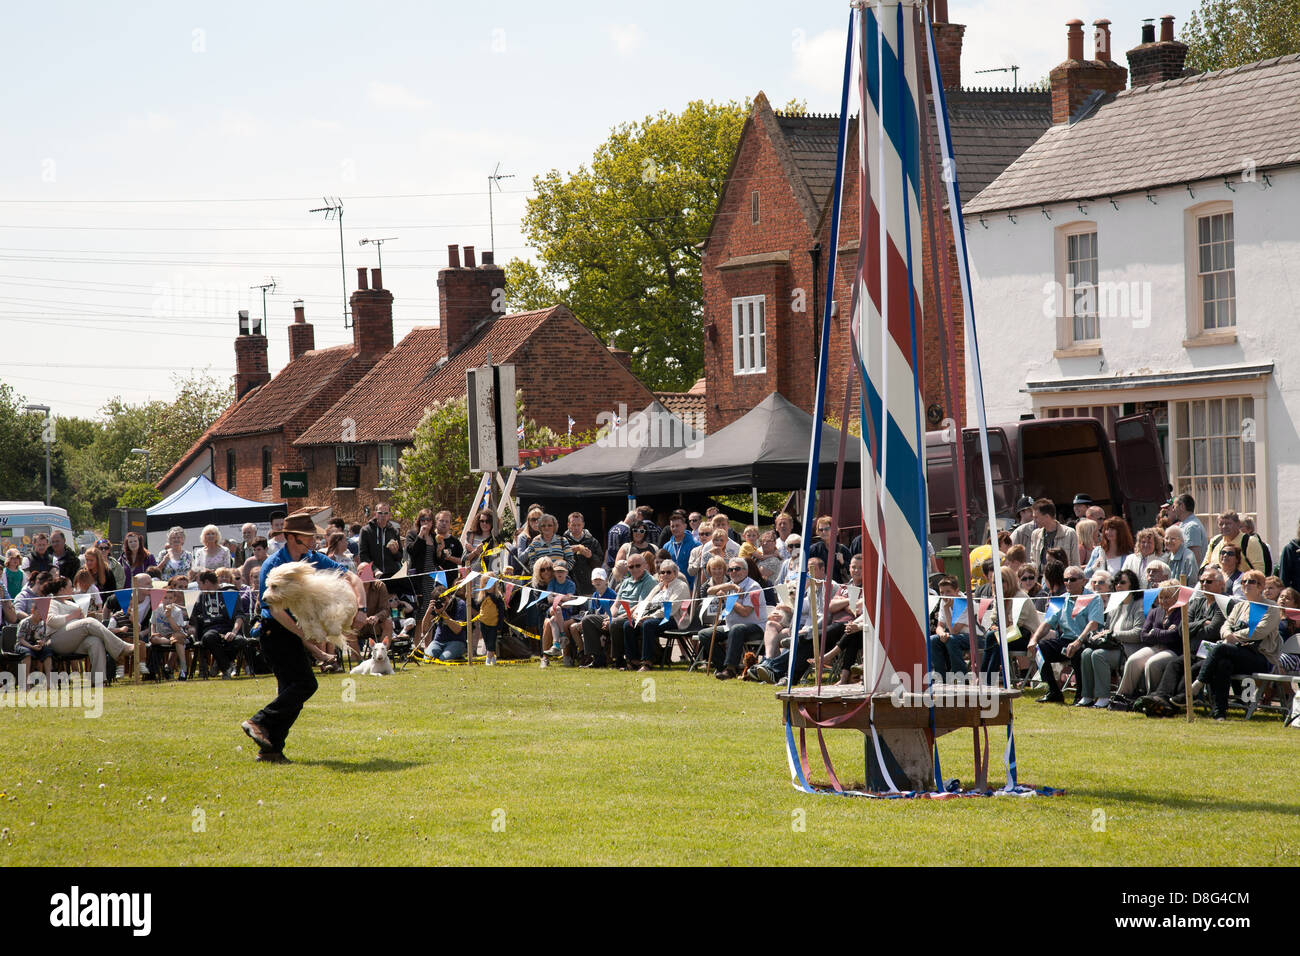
[(519, 432), (440, 578), (41, 607), (1148, 599), (510, 589), (1016, 605), (934, 601), (525, 593), (1115, 600), (468, 575), (783, 594), (1222, 600), (729, 604), (1292, 613), (627, 608), (571, 423), (854, 593), (575, 602), (366, 572), (668, 610), (707, 604), (1082, 601), (1185, 594), (123, 598), (958, 609), (1055, 606), (230, 599), (1254, 615), (191, 599), (82, 601), (156, 597), (983, 607)]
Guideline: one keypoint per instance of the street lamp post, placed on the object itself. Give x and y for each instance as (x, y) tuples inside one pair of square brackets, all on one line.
[(144, 451), (48, 436)]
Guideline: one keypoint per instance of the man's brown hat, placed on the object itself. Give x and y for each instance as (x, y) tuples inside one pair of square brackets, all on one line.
[(300, 523)]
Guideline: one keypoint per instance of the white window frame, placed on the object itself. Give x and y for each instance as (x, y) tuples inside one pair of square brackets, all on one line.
[(749, 335), (1197, 333), (1067, 346), (1201, 461), (380, 463)]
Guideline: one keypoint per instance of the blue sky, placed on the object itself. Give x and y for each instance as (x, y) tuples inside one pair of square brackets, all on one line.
[(160, 159)]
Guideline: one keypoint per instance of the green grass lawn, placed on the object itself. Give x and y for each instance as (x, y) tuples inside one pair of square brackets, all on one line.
[(517, 765)]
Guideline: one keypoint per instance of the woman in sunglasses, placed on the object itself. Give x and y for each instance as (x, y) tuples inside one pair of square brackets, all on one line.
[(640, 544), (1230, 565), (481, 535)]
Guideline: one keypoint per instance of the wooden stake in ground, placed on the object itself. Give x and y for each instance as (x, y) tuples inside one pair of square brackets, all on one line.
[(135, 632), (1187, 655)]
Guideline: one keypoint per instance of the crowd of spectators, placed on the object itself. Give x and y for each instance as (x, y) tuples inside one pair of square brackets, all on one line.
[(1089, 594)]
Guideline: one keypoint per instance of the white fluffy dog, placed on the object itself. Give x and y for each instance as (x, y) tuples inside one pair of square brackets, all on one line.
[(323, 604), (378, 664)]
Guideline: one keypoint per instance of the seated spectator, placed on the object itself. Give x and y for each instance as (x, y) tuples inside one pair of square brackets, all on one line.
[(549, 543), (950, 639), (1204, 623), (747, 617), (1242, 650), (378, 628), (711, 582), (1145, 551), (1087, 532), (792, 565), (784, 527), (14, 577), (66, 559), (586, 550), (213, 624), (1058, 555), (174, 559), (595, 622), (135, 558), (1060, 636), (673, 591), (1114, 545), (39, 558), (639, 543), (33, 589), (1157, 574), (1053, 580), (33, 644), (84, 583), (1161, 643), (336, 549), (534, 614), (717, 544), (105, 574), (168, 638), (1100, 582), (480, 536), (1182, 563), (1015, 559), (1289, 599), (622, 623), (834, 554), (529, 531), (444, 621), (211, 554), (1020, 626), (1103, 652), (555, 633), (71, 632), (843, 630), (750, 536), (780, 617), (1027, 578), (1273, 588), (769, 562)]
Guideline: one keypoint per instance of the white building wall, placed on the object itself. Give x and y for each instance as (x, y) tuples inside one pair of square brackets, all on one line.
[(1014, 263)]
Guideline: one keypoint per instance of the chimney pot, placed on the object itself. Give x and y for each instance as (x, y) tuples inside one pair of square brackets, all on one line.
[(469, 257), (243, 323), (453, 257), (1148, 31), (361, 279), (1167, 28), (1074, 40), (1101, 40), (489, 258), (376, 280), (299, 313)]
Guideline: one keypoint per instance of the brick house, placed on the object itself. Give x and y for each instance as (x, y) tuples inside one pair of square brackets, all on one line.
[(560, 367), (764, 259), (248, 446)]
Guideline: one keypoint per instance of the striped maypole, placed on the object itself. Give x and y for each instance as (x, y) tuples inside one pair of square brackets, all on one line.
[(888, 320)]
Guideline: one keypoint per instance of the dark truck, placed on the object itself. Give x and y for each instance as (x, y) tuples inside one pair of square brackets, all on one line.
[(1053, 458)]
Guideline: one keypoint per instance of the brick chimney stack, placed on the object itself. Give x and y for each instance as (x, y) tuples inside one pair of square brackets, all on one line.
[(251, 366), (372, 317), (1076, 79), (302, 336), (1152, 62), (467, 295), (947, 46)]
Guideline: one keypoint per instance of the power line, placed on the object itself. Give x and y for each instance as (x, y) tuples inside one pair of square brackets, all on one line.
[(294, 199)]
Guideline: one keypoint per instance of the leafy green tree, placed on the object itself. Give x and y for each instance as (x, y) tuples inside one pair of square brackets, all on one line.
[(138, 494), (22, 453), (1228, 33), (618, 241)]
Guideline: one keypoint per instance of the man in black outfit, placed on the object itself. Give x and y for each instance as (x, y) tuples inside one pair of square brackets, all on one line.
[(381, 545), (285, 647)]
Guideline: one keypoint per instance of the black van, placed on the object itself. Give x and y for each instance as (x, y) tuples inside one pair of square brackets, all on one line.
[(1053, 458)]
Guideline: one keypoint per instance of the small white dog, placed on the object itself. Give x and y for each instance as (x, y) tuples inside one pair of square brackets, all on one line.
[(323, 604), (378, 664)]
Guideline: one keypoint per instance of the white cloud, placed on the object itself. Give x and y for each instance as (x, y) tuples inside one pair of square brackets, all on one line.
[(238, 123), (628, 38), (393, 96), (150, 123), (819, 60)]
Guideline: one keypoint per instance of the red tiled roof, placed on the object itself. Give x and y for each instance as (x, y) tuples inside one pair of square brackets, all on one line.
[(196, 449), (291, 392), (689, 406), (699, 387), (391, 399)]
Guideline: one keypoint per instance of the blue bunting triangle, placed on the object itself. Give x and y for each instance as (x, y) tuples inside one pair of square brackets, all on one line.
[(1148, 599), (230, 599), (1255, 615)]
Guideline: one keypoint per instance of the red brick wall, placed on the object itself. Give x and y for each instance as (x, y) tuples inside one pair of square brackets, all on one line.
[(251, 368), (466, 296), (348, 505), (1075, 80), (781, 227), (563, 370)]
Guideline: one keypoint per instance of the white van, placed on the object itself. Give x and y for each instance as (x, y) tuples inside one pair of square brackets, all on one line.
[(21, 520)]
